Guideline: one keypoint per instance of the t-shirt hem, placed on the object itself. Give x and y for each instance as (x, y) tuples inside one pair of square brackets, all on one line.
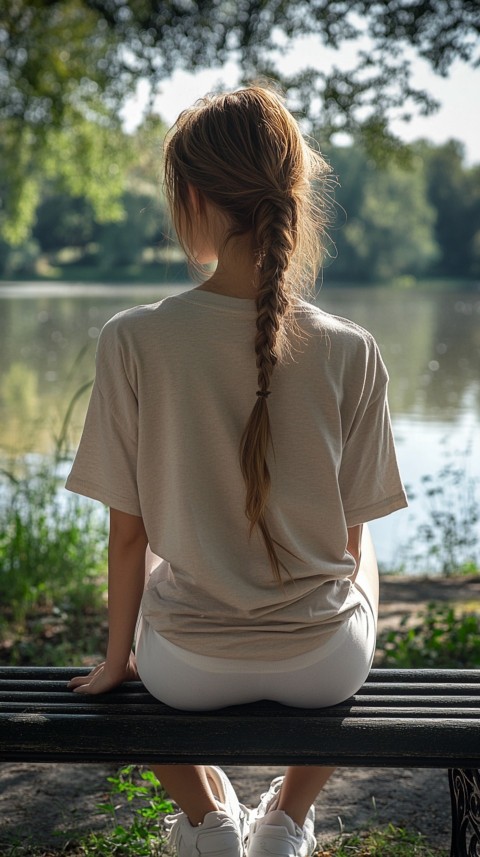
[(219, 664), (207, 650), (97, 492)]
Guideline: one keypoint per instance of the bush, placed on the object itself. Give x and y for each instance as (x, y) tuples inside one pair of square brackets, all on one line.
[(52, 548), (447, 542), (52, 572), (438, 639)]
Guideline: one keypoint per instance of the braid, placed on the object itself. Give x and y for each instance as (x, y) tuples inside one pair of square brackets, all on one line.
[(275, 223)]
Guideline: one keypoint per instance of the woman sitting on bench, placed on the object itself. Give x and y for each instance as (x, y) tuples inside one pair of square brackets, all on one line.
[(243, 435)]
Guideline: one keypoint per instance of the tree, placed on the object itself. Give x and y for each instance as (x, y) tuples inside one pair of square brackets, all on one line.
[(71, 63), (63, 221), (385, 226), (454, 191), (59, 111), (66, 218), (474, 175)]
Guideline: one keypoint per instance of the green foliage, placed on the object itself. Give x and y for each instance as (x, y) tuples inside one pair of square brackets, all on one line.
[(90, 159), (57, 50), (55, 56), (447, 541), (58, 111), (141, 838), (62, 221), (53, 547), (134, 808), (439, 638), (51, 552), (97, 193), (83, 158), (393, 222), (385, 224), (20, 187), (121, 245), (386, 842), (68, 67)]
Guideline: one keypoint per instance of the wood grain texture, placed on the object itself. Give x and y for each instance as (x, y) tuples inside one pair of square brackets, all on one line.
[(411, 718)]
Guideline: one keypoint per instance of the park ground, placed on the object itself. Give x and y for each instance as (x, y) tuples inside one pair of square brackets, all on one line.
[(44, 804)]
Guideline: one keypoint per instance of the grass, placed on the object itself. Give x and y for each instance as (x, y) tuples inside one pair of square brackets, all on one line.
[(141, 837), (387, 842), (52, 570), (390, 841)]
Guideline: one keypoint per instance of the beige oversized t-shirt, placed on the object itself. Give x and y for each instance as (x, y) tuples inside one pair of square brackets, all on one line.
[(175, 384)]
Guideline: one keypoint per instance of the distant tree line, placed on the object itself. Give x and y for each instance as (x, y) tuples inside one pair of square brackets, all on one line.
[(68, 67), (418, 218)]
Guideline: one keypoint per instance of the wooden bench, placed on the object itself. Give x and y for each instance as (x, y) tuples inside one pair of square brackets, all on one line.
[(399, 718)]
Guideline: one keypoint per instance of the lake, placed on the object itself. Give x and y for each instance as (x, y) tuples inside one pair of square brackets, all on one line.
[(430, 342)]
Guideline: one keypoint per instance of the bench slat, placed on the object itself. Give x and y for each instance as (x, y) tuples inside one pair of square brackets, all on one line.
[(377, 675), (393, 689), (34, 699), (140, 709), (214, 737)]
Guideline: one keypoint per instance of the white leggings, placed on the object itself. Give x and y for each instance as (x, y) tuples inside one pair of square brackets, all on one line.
[(169, 674), (331, 674)]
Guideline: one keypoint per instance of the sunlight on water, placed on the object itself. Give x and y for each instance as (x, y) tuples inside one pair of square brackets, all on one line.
[(430, 343)]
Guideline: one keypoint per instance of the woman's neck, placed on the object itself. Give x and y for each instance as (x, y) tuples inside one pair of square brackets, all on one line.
[(236, 272)]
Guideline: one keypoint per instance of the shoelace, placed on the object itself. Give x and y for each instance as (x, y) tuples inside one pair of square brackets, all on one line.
[(267, 799), (245, 818)]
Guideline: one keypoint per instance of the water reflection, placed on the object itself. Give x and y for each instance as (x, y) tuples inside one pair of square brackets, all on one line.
[(430, 343)]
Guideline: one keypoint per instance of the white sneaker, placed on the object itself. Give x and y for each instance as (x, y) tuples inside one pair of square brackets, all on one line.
[(275, 834), (228, 800), (217, 836), (221, 834)]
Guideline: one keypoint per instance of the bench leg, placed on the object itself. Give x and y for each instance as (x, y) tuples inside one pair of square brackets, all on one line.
[(465, 797)]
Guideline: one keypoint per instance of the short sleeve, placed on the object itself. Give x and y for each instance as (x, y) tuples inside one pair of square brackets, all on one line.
[(369, 480), (105, 466)]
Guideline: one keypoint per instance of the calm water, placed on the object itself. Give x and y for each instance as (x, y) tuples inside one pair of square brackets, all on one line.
[(430, 343)]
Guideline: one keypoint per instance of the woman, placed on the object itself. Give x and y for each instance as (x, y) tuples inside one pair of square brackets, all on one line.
[(243, 435)]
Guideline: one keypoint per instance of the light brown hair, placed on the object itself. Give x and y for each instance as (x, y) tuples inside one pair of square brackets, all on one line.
[(244, 153)]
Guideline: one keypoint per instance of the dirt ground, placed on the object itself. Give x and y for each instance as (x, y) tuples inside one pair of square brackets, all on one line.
[(44, 803)]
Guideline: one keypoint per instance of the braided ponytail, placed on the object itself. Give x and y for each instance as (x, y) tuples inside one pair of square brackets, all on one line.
[(275, 231), (244, 153)]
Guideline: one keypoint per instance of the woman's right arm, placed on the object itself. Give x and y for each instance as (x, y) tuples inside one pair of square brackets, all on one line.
[(126, 580)]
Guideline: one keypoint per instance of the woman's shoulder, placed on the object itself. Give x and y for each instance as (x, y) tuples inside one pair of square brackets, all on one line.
[(351, 350), (137, 319), (312, 319)]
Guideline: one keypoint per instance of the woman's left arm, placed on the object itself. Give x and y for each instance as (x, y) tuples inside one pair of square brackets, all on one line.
[(126, 580)]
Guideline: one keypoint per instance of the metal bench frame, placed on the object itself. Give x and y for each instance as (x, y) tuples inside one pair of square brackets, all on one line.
[(399, 718)]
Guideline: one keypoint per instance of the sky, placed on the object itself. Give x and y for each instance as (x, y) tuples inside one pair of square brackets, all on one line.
[(458, 94)]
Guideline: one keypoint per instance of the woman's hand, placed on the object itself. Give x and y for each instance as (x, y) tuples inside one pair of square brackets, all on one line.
[(103, 678)]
